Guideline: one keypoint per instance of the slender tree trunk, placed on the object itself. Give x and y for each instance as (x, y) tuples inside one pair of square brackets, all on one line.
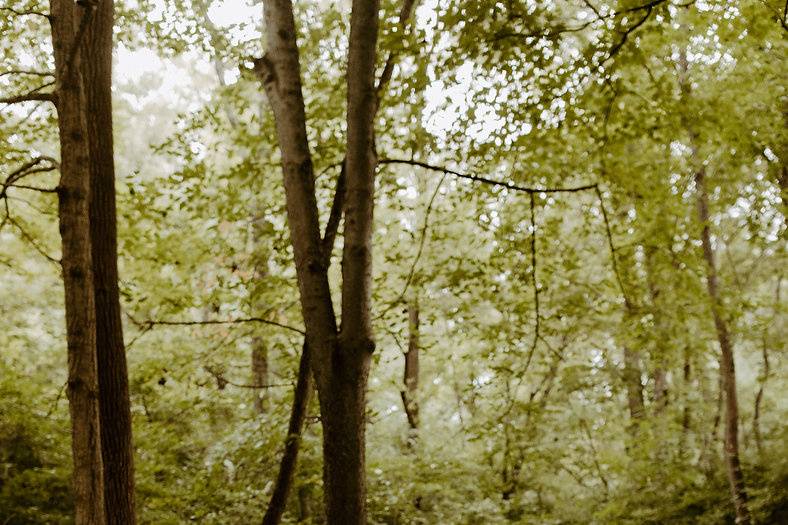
[(260, 374), (287, 466), (687, 413), (115, 410), (410, 380), (727, 368), (73, 210), (633, 384), (660, 356)]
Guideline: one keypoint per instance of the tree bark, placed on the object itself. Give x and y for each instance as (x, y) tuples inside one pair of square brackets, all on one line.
[(340, 361), (727, 367), (284, 480), (115, 410), (68, 23), (410, 378)]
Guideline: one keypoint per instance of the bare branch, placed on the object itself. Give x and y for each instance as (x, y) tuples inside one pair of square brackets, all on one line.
[(24, 13), (485, 180), (388, 67), (165, 322), (27, 72), (422, 240), (613, 257), (31, 96), (535, 284)]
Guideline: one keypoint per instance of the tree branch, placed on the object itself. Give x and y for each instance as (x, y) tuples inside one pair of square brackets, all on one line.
[(31, 96), (27, 72), (165, 322), (485, 180), (24, 13), (612, 247), (334, 217)]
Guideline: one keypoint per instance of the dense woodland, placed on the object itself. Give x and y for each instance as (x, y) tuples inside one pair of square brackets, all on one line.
[(398, 262)]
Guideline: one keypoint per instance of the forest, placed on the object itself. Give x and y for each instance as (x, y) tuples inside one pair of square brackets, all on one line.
[(347, 262)]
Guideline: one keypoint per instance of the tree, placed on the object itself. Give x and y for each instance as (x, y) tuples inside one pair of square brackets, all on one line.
[(113, 383)]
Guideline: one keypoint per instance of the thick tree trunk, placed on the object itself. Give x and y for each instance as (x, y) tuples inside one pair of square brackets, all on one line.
[(73, 210), (727, 368), (410, 380), (342, 409), (115, 410)]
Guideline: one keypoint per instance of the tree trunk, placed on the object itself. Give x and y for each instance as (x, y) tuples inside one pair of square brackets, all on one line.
[(727, 367), (287, 466), (660, 356), (259, 374), (410, 380), (633, 384), (115, 410), (73, 211), (340, 360)]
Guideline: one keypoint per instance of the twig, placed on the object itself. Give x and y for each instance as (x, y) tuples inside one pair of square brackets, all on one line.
[(612, 247), (416, 259)]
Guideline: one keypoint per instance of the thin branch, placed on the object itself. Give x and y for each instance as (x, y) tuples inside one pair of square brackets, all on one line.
[(388, 68), (31, 96), (631, 29), (535, 284), (30, 239), (27, 72), (612, 247), (164, 322), (485, 180), (25, 13), (32, 188), (416, 259)]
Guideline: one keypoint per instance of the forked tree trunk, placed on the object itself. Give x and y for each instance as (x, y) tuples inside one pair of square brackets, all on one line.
[(727, 367), (73, 211), (340, 360), (115, 410)]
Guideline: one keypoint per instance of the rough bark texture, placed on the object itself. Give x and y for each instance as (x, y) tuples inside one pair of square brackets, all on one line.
[(115, 411), (727, 368), (68, 22), (410, 378), (284, 480)]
